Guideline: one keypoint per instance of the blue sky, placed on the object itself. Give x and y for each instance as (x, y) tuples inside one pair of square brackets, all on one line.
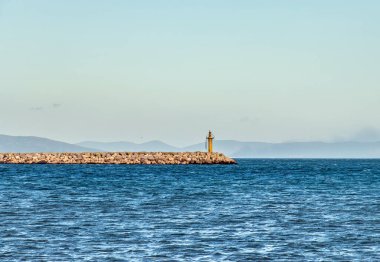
[(170, 70)]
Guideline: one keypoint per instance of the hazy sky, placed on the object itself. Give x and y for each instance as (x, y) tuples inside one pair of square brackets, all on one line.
[(171, 70)]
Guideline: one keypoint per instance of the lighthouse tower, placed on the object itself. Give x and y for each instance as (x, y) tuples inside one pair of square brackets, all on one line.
[(209, 139)]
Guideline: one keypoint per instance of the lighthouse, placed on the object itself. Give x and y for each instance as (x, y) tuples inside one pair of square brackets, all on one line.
[(209, 139)]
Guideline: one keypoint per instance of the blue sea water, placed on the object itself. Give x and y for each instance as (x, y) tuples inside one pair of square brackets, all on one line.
[(258, 210)]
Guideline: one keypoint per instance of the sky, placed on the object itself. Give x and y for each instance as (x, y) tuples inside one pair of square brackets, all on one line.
[(141, 70)]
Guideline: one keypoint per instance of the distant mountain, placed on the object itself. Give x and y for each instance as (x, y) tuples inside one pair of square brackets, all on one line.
[(297, 149), (22, 144), (129, 146), (239, 149), (232, 148)]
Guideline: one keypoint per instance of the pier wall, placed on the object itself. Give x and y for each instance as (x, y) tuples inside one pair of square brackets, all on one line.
[(128, 158)]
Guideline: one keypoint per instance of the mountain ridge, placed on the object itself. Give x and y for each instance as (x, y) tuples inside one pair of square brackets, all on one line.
[(28, 144), (232, 148), (241, 149)]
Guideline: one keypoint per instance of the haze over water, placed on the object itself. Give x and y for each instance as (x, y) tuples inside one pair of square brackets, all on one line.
[(295, 210)]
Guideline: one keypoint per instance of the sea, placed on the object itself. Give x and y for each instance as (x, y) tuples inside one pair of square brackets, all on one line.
[(257, 210)]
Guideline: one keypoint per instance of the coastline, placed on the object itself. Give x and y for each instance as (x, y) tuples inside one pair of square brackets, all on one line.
[(118, 158)]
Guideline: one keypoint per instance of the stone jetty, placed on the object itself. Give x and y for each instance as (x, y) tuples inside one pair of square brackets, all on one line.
[(128, 158)]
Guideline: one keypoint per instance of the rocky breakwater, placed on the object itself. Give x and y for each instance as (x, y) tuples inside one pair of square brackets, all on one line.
[(129, 158)]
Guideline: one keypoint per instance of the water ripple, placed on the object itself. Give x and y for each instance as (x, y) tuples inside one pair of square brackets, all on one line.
[(284, 210)]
